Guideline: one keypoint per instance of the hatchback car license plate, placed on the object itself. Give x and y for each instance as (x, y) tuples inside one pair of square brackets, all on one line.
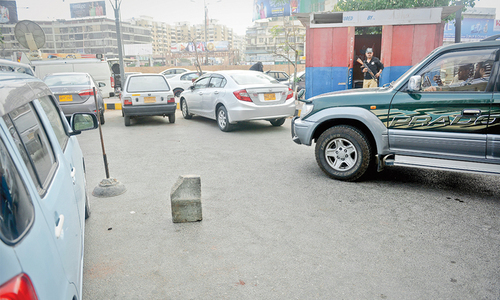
[(149, 99), (269, 96), (65, 98)]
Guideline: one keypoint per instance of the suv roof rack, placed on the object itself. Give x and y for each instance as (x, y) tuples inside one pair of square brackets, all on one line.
[(491, 38)]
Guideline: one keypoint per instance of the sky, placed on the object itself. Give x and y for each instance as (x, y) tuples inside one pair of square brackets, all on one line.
[(236, 14)]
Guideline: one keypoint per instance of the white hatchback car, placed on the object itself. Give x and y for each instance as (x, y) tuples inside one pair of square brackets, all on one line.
[(147, 95), (234, 96), (43, 197)]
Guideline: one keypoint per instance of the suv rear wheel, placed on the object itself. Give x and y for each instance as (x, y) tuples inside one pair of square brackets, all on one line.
[(343, 152)]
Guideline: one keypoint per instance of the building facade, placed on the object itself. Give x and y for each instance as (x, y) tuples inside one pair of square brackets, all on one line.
[(83, 36)]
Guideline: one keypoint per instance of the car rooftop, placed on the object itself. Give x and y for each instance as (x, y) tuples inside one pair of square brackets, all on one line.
[(32, 88)]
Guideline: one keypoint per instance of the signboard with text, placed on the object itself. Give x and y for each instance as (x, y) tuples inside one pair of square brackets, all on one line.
[(472, 29), (88, 9), (263, 9)]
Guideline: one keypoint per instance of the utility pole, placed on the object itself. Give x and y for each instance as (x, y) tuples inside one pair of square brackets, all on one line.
[(116, 8), (206, 25)]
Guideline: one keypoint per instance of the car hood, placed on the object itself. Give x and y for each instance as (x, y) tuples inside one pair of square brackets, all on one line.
[(354, 97)]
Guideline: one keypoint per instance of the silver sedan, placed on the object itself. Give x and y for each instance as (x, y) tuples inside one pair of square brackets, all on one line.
[(233, 96)]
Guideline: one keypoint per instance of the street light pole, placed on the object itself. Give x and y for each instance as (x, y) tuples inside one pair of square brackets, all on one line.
[(206, 25), (116, 8)]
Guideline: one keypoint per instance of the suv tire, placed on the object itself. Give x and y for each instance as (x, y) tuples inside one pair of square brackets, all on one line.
[(343, 153)]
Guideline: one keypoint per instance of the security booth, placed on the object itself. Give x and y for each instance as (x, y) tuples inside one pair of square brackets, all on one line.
[(399, 38)]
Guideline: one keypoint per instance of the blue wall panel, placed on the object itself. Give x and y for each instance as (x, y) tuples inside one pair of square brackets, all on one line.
[(389, 74), (320, 80)]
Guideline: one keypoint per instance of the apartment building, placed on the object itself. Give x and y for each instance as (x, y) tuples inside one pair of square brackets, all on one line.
[(265, 45), (85, 36)]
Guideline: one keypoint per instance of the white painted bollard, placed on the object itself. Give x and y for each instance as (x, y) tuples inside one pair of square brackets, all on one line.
[(185, 199)]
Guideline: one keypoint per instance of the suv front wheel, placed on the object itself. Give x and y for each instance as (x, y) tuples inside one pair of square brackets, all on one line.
[(343, 153)]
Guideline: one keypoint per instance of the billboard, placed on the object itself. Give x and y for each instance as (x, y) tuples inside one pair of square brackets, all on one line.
[(8, 12), (472, 29), (263, 9), (200, 47), (88, 9)]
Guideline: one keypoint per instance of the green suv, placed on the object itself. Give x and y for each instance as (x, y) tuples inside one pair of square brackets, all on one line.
[(443, 113)]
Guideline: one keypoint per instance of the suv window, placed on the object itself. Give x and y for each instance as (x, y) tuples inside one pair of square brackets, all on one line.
[(16, 208), (54, 116), (459, 71), (31, 138)]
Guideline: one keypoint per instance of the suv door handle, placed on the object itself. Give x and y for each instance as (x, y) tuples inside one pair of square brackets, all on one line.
[(471, 112)]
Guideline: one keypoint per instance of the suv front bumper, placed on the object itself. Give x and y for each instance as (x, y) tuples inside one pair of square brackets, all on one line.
[(302, 131)]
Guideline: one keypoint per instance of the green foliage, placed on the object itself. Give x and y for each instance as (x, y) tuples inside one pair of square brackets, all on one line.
[(352, 5), (368, 30)]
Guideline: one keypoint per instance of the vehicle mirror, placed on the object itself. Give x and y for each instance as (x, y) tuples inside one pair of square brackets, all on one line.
[(101, 84), (415, 84), (191, 87), (83, 121), (301, 93)]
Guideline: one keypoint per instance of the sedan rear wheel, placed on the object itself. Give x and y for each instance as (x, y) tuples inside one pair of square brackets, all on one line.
[(185, 111), (278, 122), (223, 120)]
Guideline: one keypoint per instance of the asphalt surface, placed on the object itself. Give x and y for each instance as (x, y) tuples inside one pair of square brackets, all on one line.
[(274, 226)]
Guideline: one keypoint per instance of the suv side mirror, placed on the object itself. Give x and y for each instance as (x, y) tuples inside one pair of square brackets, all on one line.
[(415, 84), (83, 121)]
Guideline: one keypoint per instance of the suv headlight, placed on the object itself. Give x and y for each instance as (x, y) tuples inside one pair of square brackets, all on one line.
[(306, 109)]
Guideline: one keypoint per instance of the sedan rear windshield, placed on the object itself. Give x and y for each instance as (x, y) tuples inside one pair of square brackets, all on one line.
[(69, 79), (253, 78), (147, 84)]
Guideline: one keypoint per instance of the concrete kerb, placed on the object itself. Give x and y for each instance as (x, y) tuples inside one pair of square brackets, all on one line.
[(185, 199)]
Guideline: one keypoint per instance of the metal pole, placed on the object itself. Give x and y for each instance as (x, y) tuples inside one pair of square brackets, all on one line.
[(100, 133), (116, 8), (206, 39), (458, 23)]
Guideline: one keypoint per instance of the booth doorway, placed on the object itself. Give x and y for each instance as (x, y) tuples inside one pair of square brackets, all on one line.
[(366, 37)]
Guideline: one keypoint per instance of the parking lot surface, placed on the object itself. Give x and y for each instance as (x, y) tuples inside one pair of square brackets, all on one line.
[(274, 226)]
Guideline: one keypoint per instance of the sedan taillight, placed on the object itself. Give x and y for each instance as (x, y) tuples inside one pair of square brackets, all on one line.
[(290, 94), (242, 95), (86, 93), (18, 288), (127, 101)]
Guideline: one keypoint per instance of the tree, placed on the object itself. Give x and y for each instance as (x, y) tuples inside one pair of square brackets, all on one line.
[(351, 5)]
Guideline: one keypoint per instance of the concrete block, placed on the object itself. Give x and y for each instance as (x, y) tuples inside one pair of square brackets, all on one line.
[(185, 199)]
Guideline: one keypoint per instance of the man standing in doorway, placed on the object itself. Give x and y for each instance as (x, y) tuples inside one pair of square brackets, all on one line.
[(372, 67)]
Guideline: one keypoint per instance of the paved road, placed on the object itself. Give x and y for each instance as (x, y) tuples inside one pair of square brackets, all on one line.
[(274, 226)]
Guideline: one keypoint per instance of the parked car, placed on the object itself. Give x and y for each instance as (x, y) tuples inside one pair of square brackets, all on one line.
[(16, 67), (169, 73), (147, 95), (43, 198), (278, 75), (118, 81), (75, 93), (300, 83), (181, 82), (443, 113), (234, 96)]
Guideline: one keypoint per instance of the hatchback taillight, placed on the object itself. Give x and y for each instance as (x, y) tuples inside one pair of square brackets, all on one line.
[(112, 79), (86, 93), (18, 288), (171, 100), (127, 101), (242, 95)]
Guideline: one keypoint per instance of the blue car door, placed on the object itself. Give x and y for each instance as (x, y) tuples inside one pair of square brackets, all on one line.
[(52, 174), (28, 248)]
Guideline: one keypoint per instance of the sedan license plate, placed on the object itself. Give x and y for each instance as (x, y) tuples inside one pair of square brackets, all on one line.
[(149, 99), (65, 98), (269, 96)]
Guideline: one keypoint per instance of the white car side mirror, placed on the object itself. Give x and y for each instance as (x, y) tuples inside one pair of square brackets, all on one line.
[(415, 84)]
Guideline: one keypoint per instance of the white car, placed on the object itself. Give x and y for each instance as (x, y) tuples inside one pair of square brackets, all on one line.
[(169, 73), (182, 82), (234, 96), (147, 95)]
